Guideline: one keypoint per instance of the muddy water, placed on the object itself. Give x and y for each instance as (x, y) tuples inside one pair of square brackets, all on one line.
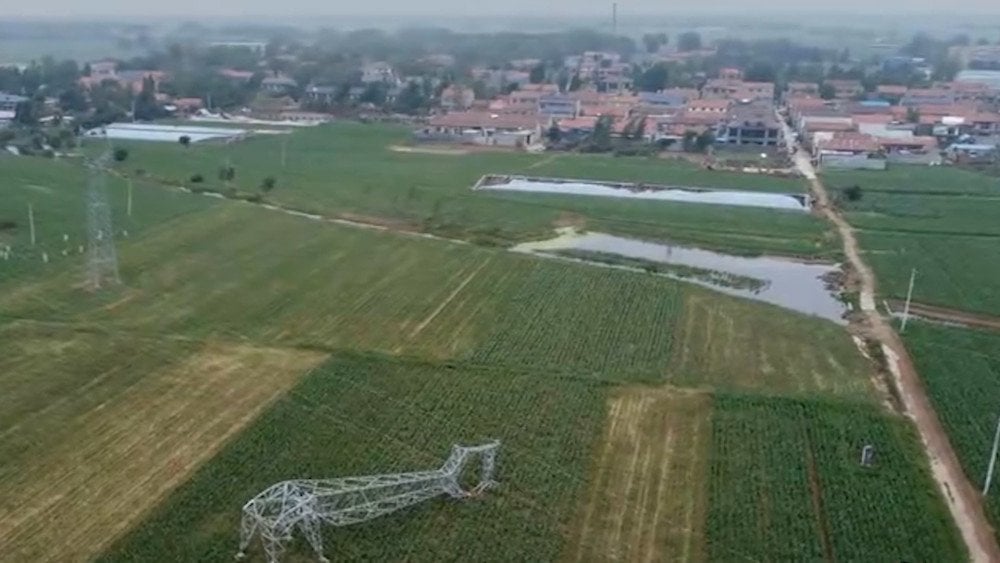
[(786, 283), (787, 202)]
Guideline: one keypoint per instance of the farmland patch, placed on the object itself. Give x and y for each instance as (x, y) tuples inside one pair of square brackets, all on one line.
[(362, 415), (786, 485), (121, 435), (728, 343), (647, 498)]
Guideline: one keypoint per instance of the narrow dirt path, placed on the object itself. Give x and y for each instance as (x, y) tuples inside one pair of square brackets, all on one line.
[(962, 498), (947, 315)]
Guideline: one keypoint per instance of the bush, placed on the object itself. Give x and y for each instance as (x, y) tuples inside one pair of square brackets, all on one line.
[(197, 179), (268, 184), (853, 193)]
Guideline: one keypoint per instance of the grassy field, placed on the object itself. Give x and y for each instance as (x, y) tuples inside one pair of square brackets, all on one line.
[(248, 346), (961, 370), (56, 190), (786, 485), (941, 180), (349, 170), (726, 343), (939, 220)]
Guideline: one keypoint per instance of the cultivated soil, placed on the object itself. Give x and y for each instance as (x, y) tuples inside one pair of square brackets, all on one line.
[(648, 497), (127, 454), (962, 498)]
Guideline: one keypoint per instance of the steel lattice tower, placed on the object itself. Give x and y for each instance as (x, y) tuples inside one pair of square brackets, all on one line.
[(102, 257), (306, 505)]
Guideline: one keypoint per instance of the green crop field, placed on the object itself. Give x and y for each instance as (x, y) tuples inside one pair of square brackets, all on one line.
[(786, 485), (249, 345), (360, 415), (961, 370), (942, 180), (939, 220), (349, 170)]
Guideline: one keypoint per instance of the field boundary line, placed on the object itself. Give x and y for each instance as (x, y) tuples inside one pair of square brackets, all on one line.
[(447, 300)]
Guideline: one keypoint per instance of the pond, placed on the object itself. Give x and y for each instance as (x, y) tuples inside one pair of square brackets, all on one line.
[(785, 202), (784, 282)]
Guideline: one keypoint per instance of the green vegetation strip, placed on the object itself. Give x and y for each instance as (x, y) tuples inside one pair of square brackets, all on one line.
[(961, 370), (712, 277)]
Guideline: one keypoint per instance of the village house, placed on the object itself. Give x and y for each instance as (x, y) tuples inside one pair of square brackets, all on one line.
[(9, 102), (558, 105), (750, 124), (319, 94), (807, 89), (846, 89), (378, 72), (278, 85), (484, 128)]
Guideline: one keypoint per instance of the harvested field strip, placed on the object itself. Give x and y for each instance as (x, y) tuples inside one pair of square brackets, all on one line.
[(120, 458), (647, 498), (786, 485), (732, 344)]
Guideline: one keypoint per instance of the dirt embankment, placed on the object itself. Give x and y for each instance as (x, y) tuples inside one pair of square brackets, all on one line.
[(962, 498)]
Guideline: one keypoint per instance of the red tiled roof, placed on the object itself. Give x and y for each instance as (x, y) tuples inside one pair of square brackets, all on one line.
[(891, 89), (850, 142), (485, 120), (819, 125)]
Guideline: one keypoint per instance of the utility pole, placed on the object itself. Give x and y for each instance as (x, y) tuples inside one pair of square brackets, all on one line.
[(284, 150), (128, 202), (909, 297), (993, 460), (614, 18), (31, 223)]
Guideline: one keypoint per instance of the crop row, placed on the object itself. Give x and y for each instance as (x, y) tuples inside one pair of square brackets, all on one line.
[(786, 484), (961, 370)]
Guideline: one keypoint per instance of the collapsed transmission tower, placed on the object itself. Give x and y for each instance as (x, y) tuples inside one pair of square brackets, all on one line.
[(102, 258), (307, 504)]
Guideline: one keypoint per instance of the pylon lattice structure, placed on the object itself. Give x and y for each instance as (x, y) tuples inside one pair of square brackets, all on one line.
[(308, 504), (102, 257)]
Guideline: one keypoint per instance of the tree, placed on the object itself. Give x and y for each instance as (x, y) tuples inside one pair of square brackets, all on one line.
[(853, 193), (227, 173), (26, 113), (689, 41), (120, 154), (761, 71), (268, 184), (537, 75), (146, 107), (912, 115), (827, 91), (653, 79), (73, 100), (374, 94), (653, 41), (600, 138), (575, 83), (689, 141), (554, 134), (411, 99), (185, 141), (704, 141)]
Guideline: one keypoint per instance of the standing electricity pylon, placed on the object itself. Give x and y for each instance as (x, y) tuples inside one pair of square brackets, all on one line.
[(102, 257)]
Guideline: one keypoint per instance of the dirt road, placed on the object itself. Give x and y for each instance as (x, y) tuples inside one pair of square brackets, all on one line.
[(962, 498), (946, 315)]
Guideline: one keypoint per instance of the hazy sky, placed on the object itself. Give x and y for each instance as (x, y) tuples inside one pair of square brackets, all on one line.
[(192, 8)]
